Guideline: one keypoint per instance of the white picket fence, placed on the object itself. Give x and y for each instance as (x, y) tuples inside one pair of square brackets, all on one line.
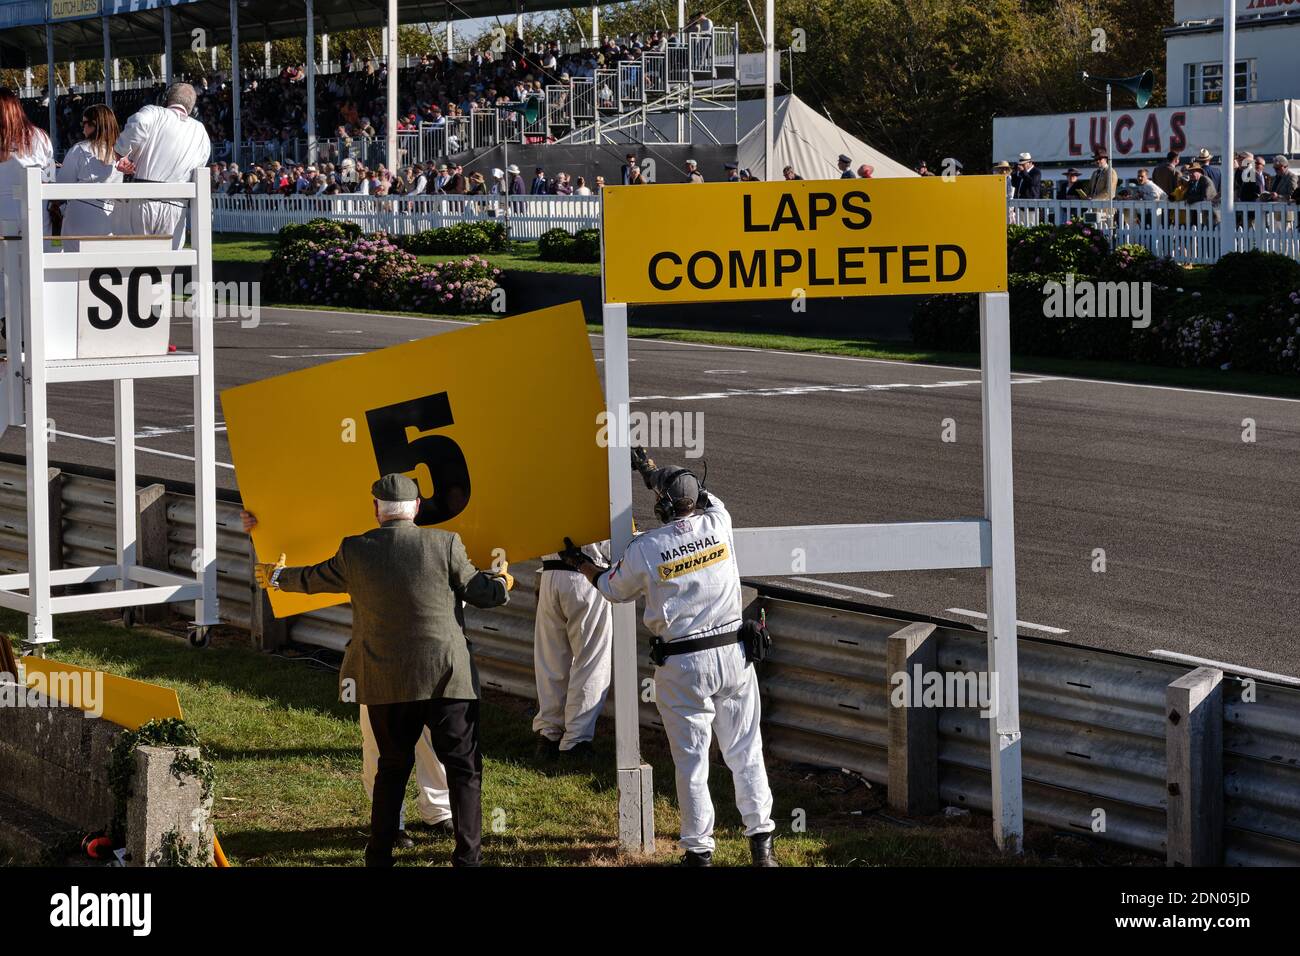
[(1187, 233), (528, 216)]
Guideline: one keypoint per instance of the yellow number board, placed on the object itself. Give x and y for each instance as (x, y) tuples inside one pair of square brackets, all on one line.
[(498, 423), (727, 241)]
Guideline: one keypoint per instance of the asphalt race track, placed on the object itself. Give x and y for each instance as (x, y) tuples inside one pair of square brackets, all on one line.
[(1198, 527)]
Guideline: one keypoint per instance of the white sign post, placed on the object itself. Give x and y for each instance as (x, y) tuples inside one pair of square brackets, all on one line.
[(102, 313), (986, 542)]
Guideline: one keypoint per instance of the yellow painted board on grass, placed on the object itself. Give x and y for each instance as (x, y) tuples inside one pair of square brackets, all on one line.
[(119, 700), (498, 424), (848, 237)]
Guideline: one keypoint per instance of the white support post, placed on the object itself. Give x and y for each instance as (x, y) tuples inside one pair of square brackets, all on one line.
[(14, 399), (595, 24), (236, 118), (1000, 576), (519, 21), (391, 54), (52, 86), (169, 59), (213, 51), (205, 438), (450, 35), (117, 70), (72, 74), (1228, 224), (267, 50), (124, 460), (635, 810), (681, 15), (108, 61), (40, 624), (769, 87), (311, 76), (324, 45)]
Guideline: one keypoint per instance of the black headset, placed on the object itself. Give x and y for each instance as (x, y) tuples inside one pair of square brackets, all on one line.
[(664, 509)]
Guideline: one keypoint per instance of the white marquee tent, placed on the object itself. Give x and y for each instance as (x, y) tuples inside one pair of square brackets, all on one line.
[(806, 140)]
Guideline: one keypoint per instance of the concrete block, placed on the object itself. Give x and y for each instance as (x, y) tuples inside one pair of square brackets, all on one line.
[(1194, 768), (161, 803)]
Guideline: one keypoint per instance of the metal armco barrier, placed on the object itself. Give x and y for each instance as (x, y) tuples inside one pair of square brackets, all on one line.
[(1097, 725), (529, 216)]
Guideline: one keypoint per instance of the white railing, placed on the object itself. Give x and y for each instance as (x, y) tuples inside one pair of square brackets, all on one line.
[(1186, 233), (529, 216)]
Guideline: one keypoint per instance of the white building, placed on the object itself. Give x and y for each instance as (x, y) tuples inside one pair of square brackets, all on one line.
[(1268, 96)]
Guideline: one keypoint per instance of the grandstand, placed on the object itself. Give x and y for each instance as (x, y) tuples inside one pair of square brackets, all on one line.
[(652, 89)]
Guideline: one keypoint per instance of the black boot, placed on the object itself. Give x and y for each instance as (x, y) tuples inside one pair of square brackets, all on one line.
[(545, 750), (760, 848), (696, 858)]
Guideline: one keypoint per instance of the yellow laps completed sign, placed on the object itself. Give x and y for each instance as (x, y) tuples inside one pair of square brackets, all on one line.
[(499, 424), (721, 241)]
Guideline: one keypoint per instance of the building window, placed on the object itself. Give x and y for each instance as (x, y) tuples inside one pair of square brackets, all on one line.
[(1205, 82)]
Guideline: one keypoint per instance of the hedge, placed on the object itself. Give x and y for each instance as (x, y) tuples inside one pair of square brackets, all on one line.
[(1244, 317), (558, 245)]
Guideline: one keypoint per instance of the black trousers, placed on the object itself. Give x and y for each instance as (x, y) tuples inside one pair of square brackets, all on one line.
[(453, 727)]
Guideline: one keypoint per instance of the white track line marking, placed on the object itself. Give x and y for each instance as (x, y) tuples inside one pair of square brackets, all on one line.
[(788, 390), (1231, 668), (1025, 624), (844, 587), (318, 355)]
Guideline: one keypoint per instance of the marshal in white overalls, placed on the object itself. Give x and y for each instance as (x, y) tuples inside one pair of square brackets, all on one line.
[(687, 572)]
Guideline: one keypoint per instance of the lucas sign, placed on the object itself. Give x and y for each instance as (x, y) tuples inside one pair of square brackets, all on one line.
[(499, 424), (727, 241)]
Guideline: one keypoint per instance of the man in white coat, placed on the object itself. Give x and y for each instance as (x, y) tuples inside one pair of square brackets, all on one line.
[(162, 144), (572, 641), (703, 679)]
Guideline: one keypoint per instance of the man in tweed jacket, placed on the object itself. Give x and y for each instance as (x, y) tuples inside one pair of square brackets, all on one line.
[(408, 660)]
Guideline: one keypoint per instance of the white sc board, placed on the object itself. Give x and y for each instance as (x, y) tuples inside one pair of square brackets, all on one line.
[(122, 310)]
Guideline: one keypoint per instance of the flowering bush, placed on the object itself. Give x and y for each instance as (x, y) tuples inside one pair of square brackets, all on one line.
[(1050, 249), (1203, 339), (1285, 347), (320, 230), (464, 286), (371, 272)]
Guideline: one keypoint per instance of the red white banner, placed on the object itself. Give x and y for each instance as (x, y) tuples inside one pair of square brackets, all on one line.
[(1146, 135)]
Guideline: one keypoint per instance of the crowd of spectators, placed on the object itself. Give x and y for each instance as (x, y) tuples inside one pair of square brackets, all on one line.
[(1253, 179)]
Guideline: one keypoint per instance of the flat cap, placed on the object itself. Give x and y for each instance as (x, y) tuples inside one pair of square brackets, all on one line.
[(395, 488)]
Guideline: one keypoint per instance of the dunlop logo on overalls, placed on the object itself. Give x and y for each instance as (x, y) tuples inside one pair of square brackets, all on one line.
[(713, 553)]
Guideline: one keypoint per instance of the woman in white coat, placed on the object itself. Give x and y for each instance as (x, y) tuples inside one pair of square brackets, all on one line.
[(26, 144), (22, 144), (91, 161)]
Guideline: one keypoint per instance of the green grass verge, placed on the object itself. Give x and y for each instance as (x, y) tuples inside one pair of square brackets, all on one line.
[(523, 257), (242, 247), (287, 757)]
